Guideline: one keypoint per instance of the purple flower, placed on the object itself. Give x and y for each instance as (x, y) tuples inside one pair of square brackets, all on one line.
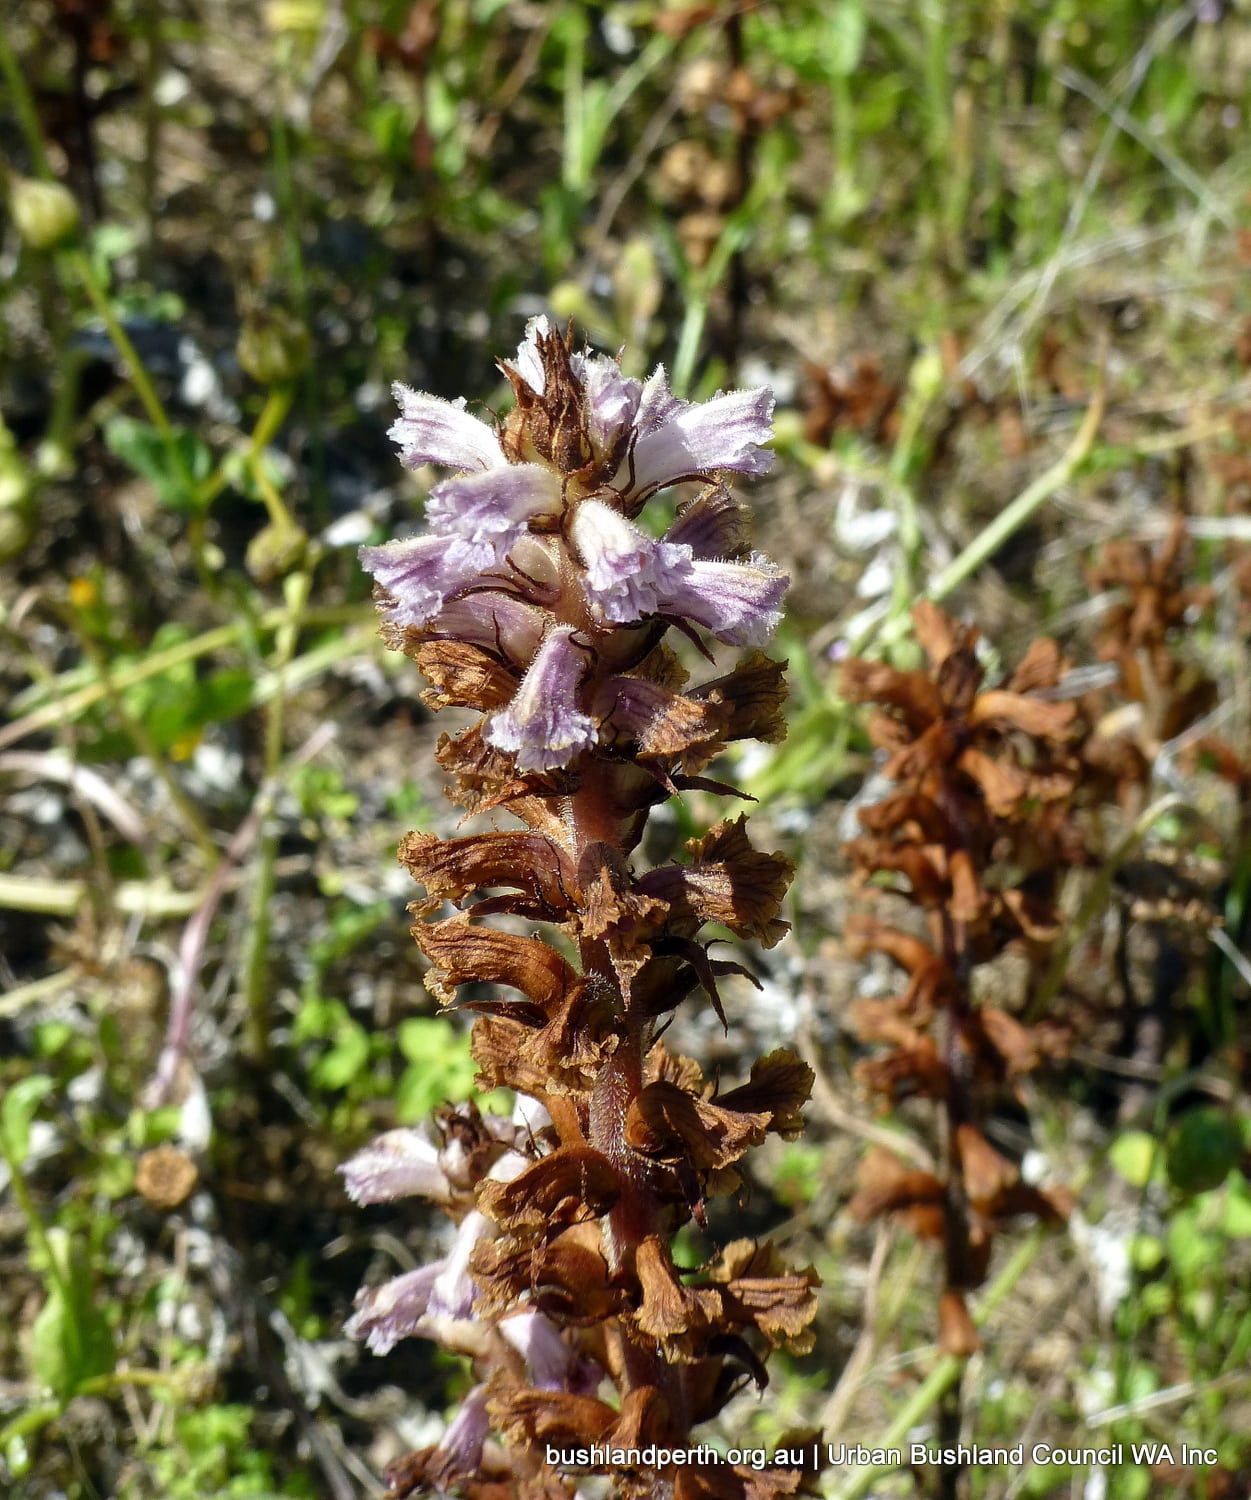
[(420, 573), (611, 400), (714, 525), (677, 440), (459, 1450), (628, 576), (429, 1302), (634, 438), (740, 603), (493, 621), (626, 571), (543, 724), (552, 1364), (490, 512), (430, 430), (399, 1164)]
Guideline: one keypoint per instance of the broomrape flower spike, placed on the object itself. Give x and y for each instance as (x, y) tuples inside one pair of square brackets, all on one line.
[(536, 600)]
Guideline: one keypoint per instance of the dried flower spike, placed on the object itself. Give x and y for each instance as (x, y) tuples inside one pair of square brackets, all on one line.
[(536, 599), (984, 782)]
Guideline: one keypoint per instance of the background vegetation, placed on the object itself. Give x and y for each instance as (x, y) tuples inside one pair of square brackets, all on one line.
[(993, 257)]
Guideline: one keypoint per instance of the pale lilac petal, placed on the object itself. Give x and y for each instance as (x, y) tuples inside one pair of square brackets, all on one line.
[(657, 403), (724, 433), (625, 570), (543, 724), (420, 573), (495, 622), (739, 602), (453, 1292), (430, 430), (399, 1164), (552, 1364), (393, 1311), (491, 510), (459, 1452), (611, 398)]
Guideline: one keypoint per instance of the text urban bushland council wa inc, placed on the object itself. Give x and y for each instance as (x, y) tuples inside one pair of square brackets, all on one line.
[(841, 1455)]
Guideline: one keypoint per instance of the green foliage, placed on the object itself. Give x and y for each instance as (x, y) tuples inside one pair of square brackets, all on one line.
[(176, 462), (71, 1340), (21, 1100), (439, 1066), (214, 1453)]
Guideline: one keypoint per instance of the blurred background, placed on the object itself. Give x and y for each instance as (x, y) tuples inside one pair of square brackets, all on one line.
[(995, 260)]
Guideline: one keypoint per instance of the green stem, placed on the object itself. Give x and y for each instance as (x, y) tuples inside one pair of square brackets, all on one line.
[(943, 1377), (256, 966), (139, 378), (49, 715), (1018, 511), (24, 105)]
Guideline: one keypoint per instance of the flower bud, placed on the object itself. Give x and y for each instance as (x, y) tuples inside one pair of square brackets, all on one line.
[(275, 551), (45, 213), (17, 499), (273, 347)]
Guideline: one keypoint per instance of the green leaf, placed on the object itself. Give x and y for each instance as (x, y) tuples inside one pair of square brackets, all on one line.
[(70, 1341), (441, 1067), (176, 464), (1191, 1252), (844, 39), (20, 1103), (1236, 1221), (1133, 1155), (1203, 1147), (1146, 1252), (346, 1058)]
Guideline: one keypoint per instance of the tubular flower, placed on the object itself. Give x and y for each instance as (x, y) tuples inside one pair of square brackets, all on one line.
[(537, 600), (577, 458)]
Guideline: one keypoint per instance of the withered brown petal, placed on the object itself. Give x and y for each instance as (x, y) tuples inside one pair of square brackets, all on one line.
[(780, 1084), (1038, 919), (917, 1065), (567, 1280), (465, 954), (613, 906), (573, 1183), (912, 694), (497, 1047), (1033, 715), (727, 881), (939, 636), (524, 1416), (1040, 667), (763, 1292), (956, 1332), (895, 814), (463, 676), (1003, 785), (667, 1124), (660, 723), (483, 776), (451, 868), (669, 1310), (986, 1173), (886, 1185), (755, 694), (581, 1032)]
